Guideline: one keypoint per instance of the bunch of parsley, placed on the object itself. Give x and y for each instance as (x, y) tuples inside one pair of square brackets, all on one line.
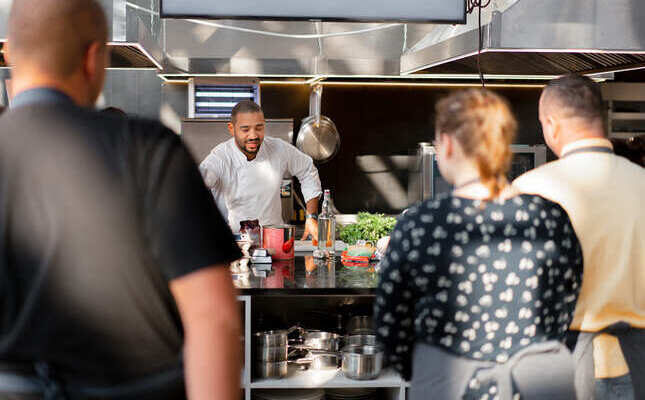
[(370, 227)]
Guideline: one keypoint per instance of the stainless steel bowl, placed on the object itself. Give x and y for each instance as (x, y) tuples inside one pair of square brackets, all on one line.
[(271, 370), (324, 361), (362, 362)]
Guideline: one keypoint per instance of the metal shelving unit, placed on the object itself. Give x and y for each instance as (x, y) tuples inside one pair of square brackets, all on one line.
[(625, 109), (391, 382), (327, 379)]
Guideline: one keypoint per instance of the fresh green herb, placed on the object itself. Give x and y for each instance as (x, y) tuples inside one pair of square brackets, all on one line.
[(370, 227)]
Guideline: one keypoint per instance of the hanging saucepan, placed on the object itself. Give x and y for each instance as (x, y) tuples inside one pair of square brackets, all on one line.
[(318, 136)]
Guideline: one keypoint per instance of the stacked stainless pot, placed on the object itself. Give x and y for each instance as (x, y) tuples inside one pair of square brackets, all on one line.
[(358, 353), (322, 350), (362, 362), (271, 353)]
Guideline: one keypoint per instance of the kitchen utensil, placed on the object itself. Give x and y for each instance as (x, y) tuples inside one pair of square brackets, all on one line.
[(318, 136), (324, 361), (320, 360), (361, 340), (362, 362), (280, 239), (273, 338), (317, 340), (271, 370), (359, 325), (271, 354)]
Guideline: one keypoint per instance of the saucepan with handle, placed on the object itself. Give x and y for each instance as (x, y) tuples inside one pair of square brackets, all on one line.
[(318, 136)]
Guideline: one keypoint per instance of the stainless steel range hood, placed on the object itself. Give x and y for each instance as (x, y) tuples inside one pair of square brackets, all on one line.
[(546, 37), (134, 32)]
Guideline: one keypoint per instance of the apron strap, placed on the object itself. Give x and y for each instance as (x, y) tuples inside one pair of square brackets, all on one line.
[(528, 360), (539, 371), (632, 344)]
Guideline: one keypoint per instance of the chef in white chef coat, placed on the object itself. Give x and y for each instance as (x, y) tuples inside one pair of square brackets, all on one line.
[(245, 172)]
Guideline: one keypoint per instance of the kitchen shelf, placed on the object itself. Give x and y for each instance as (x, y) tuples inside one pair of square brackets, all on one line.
[(626, 107), (297, 379), (258, 300), (627, 116), (624, 135)]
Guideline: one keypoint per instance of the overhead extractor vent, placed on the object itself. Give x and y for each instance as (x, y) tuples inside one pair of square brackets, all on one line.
[(121, 56), (539, 63), (129, 56), (549, 37)]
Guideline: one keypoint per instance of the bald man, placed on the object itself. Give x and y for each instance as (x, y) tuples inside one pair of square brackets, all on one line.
[(603, 195), (114, 280)]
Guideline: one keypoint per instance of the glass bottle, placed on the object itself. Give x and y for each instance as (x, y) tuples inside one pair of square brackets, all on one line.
[(327, 225)]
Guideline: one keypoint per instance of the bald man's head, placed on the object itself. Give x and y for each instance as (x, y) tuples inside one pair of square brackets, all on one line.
[(571, 109), (573, 97), (53, 36)]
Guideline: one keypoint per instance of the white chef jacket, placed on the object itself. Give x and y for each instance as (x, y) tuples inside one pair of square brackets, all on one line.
[(251, 189)]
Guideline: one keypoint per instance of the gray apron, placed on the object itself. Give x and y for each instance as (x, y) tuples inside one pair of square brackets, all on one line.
[(539, 371), (632, 344)]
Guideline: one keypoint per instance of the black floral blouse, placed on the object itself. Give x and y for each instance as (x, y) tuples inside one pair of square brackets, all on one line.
[(480, 280)]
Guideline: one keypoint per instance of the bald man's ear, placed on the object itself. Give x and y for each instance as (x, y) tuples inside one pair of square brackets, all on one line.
[(95, 60), (552, 133), (5, 53)]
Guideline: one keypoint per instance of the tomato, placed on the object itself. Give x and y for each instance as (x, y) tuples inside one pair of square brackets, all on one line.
[(288, 245)]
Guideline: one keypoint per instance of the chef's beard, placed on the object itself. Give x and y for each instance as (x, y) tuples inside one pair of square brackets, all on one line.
[(258, 143), (242, 145)]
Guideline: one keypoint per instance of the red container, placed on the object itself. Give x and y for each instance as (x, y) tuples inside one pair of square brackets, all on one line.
[(280, 241)]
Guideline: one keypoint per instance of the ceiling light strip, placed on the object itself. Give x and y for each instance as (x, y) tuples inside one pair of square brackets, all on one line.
[(225, 94), (414, 84)]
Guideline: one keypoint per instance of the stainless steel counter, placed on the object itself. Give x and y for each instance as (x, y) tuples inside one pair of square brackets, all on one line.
[(305, 275)]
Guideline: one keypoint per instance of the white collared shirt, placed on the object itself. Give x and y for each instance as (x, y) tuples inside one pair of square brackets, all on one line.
[(251, 189)]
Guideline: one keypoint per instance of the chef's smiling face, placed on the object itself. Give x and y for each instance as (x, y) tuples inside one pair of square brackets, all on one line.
[(248, 131)]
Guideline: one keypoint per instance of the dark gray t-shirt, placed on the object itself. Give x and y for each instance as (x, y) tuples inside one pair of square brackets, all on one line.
[(97, 214)]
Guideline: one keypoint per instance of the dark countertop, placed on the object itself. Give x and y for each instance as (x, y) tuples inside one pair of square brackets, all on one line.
[(307, 276)]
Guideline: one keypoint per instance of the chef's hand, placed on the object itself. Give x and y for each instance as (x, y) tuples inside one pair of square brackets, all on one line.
[(311, 230)]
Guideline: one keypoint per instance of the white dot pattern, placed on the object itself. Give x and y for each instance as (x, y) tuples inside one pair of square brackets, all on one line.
[(483, 281)]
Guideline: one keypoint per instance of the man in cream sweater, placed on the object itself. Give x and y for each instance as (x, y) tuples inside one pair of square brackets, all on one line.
[(604, 195)]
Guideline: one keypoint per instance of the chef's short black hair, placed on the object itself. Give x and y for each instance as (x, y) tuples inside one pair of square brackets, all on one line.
[(577, 95), (245, 106)]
